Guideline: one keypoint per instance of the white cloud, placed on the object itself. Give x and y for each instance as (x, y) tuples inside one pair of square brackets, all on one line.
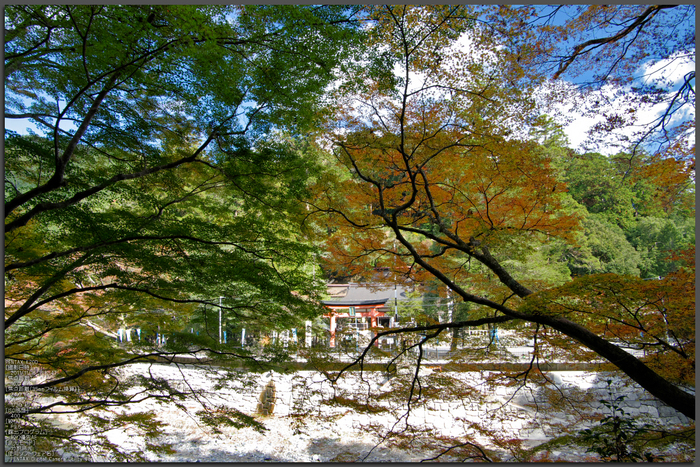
[(571, 112), (672, 70)]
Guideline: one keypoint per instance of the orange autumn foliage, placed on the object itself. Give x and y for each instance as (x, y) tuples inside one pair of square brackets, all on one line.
[(432, 175), (657, 316)]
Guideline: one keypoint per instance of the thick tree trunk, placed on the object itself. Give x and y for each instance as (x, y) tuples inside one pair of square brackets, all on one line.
[(647, 378), (658, 386)]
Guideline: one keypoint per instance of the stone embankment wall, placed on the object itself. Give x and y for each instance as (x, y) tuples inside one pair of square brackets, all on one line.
[(534, 413), (311, 419)]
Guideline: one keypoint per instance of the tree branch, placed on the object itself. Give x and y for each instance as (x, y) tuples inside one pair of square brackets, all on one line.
[(639, 23), (43, 207)]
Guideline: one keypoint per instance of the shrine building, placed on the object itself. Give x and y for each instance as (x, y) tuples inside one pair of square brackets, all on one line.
[(362, 308)]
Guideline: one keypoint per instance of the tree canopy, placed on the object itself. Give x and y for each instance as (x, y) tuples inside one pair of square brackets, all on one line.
[(163, 182), (194, 161), (441, 182)]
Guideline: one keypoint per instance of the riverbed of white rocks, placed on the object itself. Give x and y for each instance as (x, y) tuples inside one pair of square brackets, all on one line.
[(302, 428)]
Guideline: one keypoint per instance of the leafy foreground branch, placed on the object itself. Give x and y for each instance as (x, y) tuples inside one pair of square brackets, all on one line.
[(159, 191), (440, 187)]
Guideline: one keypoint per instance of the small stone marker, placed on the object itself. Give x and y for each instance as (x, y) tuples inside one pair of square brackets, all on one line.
[(267, 399)]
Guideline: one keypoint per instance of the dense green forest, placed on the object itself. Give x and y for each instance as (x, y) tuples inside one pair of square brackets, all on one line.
[(186, 163)]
